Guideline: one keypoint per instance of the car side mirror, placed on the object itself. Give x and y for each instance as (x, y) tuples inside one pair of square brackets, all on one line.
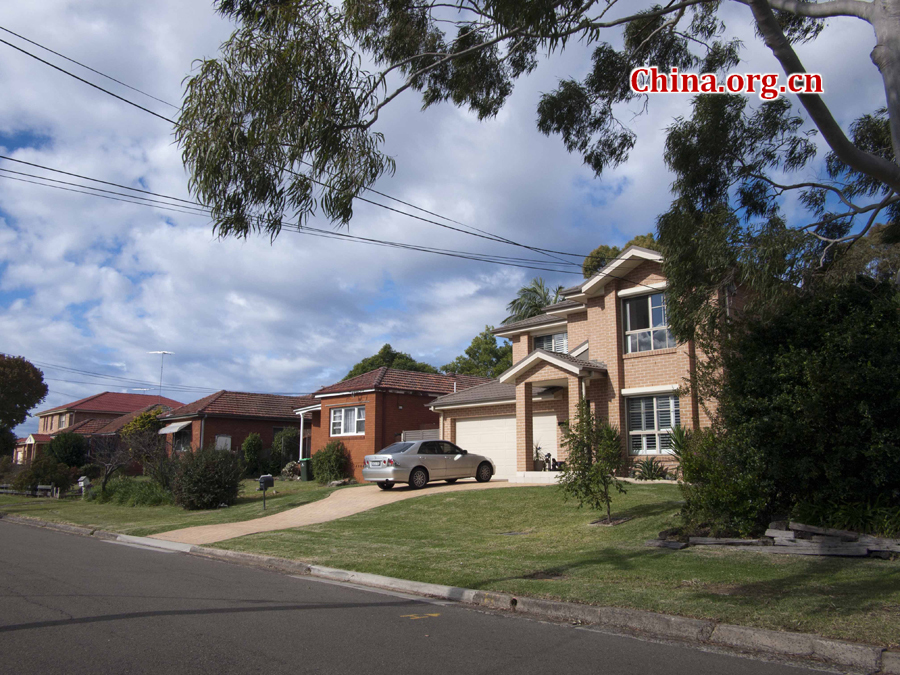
[(463, 452)]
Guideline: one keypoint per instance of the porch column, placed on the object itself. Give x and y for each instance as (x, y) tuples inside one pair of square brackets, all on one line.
[(573, 399), (300, 456), (524, 429)]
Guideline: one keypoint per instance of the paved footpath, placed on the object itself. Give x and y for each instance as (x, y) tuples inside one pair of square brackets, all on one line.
[(339, 504)]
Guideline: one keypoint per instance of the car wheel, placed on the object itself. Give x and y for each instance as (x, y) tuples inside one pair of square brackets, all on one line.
[(451, 480), (418, 478), (384, 485), (484, 472)]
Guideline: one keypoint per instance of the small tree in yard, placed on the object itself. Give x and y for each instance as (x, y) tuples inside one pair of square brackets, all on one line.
[(110, 453), (594, 450), (330, 463), (285, 444), (69, 449), (141, 436)]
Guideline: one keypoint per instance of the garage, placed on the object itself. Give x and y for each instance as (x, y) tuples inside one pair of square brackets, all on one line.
[(495, 437)]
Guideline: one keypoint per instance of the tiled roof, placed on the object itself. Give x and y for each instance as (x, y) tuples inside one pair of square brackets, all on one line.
[(582, 363), (114, 426), (242, 404), (406, 380), (485, 393), (41, 438), (114, 402), (565, 304), (84, 427), (527, 323)]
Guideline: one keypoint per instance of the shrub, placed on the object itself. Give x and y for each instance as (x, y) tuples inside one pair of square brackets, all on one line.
[(92, 471), (44, 470), (6, 466), (878, 517), (330, 463), (650, 469), (69, 449), (594, 453), (207, 478), (252, 449), (130, 492), (291, 470)]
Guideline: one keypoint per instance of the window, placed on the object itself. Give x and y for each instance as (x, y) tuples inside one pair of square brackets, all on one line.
[(650, 422), (181, 440), (558, 342), (223, 442), (646, 324), (348, 421)]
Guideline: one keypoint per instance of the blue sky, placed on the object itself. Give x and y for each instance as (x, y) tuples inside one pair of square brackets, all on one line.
[(93, 285)]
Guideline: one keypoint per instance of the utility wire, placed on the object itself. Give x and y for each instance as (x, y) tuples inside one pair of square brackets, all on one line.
[(93, 70), (484, 234)]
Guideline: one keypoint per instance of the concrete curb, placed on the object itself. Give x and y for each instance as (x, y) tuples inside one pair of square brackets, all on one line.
[(864, 658)]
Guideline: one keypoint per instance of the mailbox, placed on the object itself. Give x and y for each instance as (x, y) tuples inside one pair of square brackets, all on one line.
[(84, 482), (266, 481)]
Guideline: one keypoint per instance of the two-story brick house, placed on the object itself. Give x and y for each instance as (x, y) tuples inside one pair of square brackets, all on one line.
[(607, 342)]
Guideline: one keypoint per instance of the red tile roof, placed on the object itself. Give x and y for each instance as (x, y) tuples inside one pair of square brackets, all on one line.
[(241, 404), (406, 380), (84, 427), (114, 426), (114, 402), (41, 438)]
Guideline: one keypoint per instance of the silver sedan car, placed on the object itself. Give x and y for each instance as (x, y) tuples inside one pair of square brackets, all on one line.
[(417, 462)]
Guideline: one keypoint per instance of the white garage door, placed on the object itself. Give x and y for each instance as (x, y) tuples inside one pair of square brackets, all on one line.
[(495, 437)]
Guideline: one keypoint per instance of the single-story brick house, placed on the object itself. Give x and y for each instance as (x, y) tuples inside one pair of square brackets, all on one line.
[(226, 418), (371, 411), (622, 359)]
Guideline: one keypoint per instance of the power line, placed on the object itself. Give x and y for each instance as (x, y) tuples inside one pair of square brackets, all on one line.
[(93, 70), (484, 233), (397, 244)]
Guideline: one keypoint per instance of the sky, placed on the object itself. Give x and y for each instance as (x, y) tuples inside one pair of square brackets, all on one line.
[(89, 286)]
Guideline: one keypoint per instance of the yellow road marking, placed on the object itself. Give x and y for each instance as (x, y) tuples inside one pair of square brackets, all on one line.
[(413, 617)]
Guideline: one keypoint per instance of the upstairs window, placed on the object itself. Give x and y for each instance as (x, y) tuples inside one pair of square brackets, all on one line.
[(558, 342), (646, 324), (348, 421)]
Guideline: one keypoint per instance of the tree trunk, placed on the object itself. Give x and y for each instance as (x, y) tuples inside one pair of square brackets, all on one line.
[(886, 55)]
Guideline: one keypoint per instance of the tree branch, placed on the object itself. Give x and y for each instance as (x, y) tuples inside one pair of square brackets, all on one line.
[(864, 162), (821, 10)]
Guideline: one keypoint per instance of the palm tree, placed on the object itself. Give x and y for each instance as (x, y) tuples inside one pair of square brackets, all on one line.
[(531, 300)]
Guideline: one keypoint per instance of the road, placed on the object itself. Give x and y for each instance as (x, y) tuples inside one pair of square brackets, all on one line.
[(74, 604)]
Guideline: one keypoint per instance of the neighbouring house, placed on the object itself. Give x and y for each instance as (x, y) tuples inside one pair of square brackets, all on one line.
[(608, 342), (226, 418), (371, 411), (86, 416), (108, 406)]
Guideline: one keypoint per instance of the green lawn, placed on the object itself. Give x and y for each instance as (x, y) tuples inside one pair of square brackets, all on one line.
[(467, 539), (144, 520)]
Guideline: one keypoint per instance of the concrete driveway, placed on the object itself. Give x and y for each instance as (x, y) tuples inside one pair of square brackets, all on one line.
[(339, 504)]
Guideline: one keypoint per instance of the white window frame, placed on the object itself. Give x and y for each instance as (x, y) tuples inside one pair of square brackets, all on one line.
[(220, 444), (341, 418), (660, 435), (635, 333), (559, 342)]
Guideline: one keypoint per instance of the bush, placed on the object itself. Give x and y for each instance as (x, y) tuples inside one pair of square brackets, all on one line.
[(331, 463), (208, 478), (290, 471), (130, 492), (252, 450), (44, 470), (6, 466), (650, 469), (92, 471), (878, 517), (70, 449)]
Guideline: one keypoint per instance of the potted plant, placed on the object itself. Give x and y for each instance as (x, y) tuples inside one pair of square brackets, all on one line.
[(538, 458)]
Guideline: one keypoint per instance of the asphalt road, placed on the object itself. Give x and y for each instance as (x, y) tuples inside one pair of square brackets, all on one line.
[(75, 604)]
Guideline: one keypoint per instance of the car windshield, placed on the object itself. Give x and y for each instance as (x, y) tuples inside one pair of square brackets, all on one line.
[(395, 449)]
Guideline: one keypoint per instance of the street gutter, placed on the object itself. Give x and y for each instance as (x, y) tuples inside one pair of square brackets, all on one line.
[(861, 658)]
